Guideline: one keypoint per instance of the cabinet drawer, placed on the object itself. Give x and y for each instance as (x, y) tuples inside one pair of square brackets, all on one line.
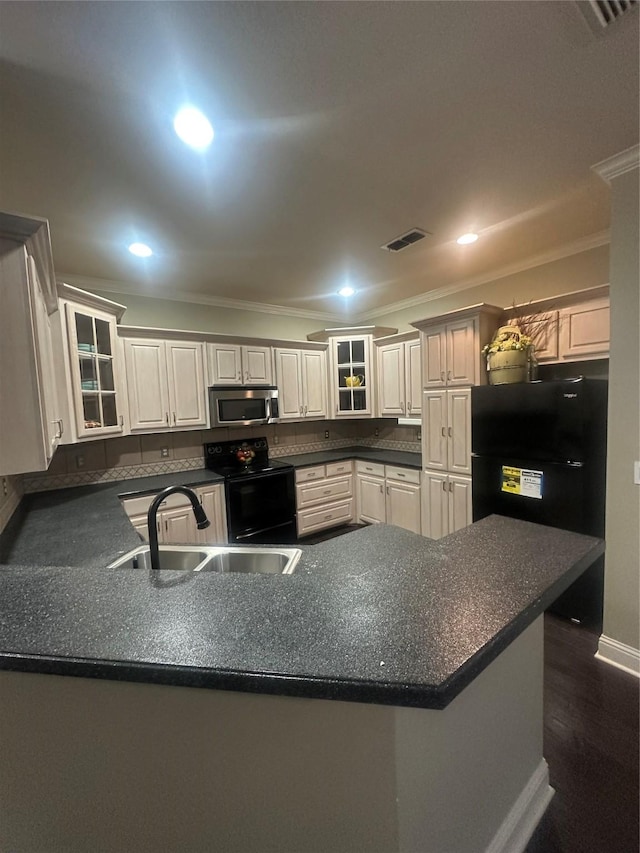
[(374, 469), (310, 520), (336, 468), (303, 475), (405, 475), (324, 491)]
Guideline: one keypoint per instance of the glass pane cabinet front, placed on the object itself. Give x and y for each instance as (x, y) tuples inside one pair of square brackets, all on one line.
[(92, 347), (352, 376)]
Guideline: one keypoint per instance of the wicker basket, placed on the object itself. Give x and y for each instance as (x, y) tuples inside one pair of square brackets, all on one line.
[(509, 366)]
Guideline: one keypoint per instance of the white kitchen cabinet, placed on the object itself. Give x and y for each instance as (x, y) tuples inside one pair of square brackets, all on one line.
[(399, 378), (451, 346), (165, 384), (584, 330), (388, 493), (446, 430), (31, 416), (239, 364), (301, 377), (446, 503), (324, 496), (352, 376), (175, 520)]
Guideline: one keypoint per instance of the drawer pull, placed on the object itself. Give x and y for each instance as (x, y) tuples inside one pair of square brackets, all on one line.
[(327, 492), (400, 474), (328, 517), (311, 474)]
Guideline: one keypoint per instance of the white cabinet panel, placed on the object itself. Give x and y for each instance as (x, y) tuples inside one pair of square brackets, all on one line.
[(413, 378), (460, 506), (179, 526), (461, 353), (225, 365), (434, 357), (391, 380), (314, 383), (371, 499), (434, 430), (403, 505), (459, 431), (165, 384), (187, 394), (256, 365), (289, 375), (585, 330), (213, 503), (302, 383), (435, 505)]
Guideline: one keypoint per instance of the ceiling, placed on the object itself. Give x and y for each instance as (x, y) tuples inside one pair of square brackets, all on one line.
[(339, 126)]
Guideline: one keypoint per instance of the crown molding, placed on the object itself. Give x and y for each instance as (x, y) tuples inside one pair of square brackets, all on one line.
[(120, 287), (593, 241), (619, 164)]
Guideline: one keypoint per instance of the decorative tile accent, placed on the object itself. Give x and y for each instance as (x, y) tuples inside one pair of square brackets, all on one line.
[(47, 482)]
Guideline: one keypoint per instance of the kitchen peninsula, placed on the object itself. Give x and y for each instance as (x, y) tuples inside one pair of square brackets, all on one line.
[(386, 696)]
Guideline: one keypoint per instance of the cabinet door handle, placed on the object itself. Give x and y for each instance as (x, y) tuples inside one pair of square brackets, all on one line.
[(448, 376), (174, 418), (450, 486), (166, 417), (442, 375), (121, 419), (381, 490), (305, 411), (408, 407), (59, 433), (450, 431), (387, 489), (402, 407), (444, 432), (444, 486)]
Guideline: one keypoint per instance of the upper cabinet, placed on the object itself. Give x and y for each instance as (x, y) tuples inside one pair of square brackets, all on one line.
[(31, 417), (302, 382), (399, 376), (571, 327), (93, 378), (239, 364), (451, 350), (165, 384)]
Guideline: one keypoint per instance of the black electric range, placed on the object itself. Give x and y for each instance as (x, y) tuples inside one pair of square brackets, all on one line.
[(260, 492)]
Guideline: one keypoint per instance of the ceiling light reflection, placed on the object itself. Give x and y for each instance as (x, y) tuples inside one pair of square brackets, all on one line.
[(193, 127), (141, 250), (467, 238)]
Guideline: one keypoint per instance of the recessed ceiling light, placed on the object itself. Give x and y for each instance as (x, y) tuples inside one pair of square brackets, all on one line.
[(467, 238), (141, 250), (346, 291), (193, 127)]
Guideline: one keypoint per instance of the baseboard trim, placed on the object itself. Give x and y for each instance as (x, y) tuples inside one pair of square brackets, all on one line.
[(619, 655), (519, 825)]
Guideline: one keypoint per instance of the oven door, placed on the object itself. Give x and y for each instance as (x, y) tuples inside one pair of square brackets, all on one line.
[(261, 508)]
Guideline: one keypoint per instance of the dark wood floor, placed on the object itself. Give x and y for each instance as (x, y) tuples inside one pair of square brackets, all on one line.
[(591, 715), (591, 745)]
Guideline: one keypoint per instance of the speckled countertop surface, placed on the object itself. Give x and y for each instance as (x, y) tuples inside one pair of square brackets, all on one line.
[(372, 454), (380, 615)]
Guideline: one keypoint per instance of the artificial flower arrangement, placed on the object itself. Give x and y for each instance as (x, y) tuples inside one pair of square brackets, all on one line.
[(506, 339)]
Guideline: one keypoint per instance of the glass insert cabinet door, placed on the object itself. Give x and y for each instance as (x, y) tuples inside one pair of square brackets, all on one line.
[(351, 358), (92, 357)]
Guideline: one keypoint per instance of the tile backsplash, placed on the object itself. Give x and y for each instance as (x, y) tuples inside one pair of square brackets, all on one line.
[(146, 455)]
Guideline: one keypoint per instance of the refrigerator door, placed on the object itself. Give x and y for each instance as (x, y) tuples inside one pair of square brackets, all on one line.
[(559, 421), (566, 496)]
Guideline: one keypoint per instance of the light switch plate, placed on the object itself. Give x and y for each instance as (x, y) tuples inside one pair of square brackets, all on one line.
[(636, 473)]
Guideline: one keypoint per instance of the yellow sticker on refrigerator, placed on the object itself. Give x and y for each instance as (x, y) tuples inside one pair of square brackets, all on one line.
[(522, 481)]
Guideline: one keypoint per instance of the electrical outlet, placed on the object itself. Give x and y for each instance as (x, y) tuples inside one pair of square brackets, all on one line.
[(5, 486), (326, 433), (79, 461), (376, 432), (275, 439), (418, 435), (164, 452)]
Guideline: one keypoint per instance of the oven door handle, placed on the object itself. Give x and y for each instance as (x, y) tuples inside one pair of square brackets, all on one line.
[(263, 530)]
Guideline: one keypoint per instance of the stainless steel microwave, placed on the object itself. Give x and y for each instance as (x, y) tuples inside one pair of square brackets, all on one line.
[(244, 405)]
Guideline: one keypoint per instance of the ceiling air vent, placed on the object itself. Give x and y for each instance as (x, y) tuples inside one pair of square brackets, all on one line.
[(600, 14), (405, 240)]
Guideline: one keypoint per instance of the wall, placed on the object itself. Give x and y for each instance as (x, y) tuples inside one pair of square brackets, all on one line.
[(622, 573), (167, 314), (575, 272), (141, 455)]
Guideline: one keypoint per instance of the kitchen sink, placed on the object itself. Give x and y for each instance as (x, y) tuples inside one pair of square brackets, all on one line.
[(215, 558), (270, 561), (171, 557)]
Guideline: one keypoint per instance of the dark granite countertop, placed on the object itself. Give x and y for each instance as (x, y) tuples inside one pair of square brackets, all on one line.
[(380, 615), (371, 454)]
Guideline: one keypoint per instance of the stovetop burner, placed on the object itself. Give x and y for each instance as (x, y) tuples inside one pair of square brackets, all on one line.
[(233, 459)]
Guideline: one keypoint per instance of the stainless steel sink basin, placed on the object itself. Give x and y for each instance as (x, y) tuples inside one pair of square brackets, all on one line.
[(215, 558), (270, 561), (171, 557)]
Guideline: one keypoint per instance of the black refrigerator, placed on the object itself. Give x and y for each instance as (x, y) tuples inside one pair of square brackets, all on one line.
[(539, 454)]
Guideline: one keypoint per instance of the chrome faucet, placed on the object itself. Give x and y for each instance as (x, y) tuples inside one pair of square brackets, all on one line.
[(198, 511)]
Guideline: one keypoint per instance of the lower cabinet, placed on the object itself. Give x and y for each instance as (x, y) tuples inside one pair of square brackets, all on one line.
[(324, 496), (446, 503), (175, 520), (388, 493)]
